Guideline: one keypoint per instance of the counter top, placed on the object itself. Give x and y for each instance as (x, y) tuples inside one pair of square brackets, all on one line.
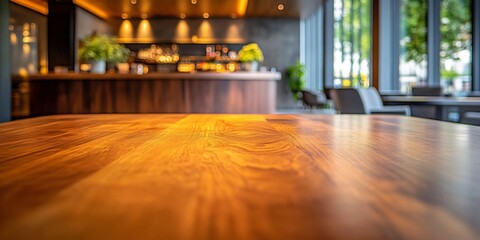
[(156, 76)]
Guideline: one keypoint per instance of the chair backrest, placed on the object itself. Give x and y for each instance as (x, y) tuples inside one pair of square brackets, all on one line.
[(347, 101), (371, 98), (426, 91), (309, 98), (312, 99)]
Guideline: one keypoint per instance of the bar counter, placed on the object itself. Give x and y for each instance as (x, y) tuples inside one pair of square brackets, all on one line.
[(239, 92)]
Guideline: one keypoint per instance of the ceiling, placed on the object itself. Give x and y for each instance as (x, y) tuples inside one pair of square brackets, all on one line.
[(188, 8)]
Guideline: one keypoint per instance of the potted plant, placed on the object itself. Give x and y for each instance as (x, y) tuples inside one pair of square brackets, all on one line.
[(119, 54), (250, 55), (99, 49), (296, 78)]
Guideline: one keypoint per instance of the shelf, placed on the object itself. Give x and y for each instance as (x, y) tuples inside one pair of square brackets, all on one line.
[(200, 41)]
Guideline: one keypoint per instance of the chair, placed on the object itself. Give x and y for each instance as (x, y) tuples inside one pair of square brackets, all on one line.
[(374, 105), (312, 100), (426, 91), (363, 101), (472, 118), (347, 101), (425, 111)]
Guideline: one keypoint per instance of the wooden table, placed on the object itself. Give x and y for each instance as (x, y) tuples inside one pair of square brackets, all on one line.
[(439, 103), (238, 177)]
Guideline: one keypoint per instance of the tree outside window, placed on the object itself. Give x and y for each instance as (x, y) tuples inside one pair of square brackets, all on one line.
[(455, 45), (352, 43)]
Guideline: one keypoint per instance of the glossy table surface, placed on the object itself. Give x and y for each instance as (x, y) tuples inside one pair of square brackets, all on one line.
[(238, 177)]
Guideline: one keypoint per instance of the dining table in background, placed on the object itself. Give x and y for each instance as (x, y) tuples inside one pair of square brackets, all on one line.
[(441, 104), (178, 176)]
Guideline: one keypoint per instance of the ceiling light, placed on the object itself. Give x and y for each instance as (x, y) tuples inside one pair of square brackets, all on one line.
[(194, 1), (124, 16), (133, 2), (183, 16), (234, 15), (144, 15), (280, 7), (206, 15)]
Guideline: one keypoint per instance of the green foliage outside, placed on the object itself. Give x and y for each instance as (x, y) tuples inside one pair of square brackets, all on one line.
[(296, 78), (455, 30), (414, 28), (103, 47), (250, 53), (449, 74), (352, 31)]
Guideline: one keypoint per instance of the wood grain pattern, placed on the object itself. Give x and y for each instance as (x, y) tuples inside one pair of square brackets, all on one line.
[(238, 177), (146, 95)]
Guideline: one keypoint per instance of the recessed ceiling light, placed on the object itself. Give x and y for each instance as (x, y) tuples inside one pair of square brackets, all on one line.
[(133, 2), (144, 15), (183, 16), (194, 1), (124, 16), (280, 7), (206, 15), (234, 15)]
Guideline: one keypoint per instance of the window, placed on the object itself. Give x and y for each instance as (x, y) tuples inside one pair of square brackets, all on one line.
[(352, 43), (456, 45), (413, 44)]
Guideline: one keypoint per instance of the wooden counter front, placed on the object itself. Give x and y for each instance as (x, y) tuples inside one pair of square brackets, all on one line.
[(241, 92)]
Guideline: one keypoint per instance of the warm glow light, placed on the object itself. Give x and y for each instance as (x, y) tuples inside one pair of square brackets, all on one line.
[(124, 16), (91, 8), (182, 31), (23, 72), (205, 30), (126, 29), (133, 2), (26, 50), (31, 67), (194, 38), (233, 32), (13, 38), (194, 1), (145, 30), (206, 15), (38, 6), (280, 7), (242, 7)]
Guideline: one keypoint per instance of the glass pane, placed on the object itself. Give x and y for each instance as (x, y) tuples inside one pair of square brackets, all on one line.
[(456, 46), (413, 44), (352, 43)]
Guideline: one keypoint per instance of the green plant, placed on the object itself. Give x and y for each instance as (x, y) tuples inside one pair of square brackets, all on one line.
[(250, 53), (103, 47), (296, 78), (449, 74)]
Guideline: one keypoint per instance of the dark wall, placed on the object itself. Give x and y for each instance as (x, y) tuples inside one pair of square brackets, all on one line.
[(61, 34), (5, 79), (278, 38)]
